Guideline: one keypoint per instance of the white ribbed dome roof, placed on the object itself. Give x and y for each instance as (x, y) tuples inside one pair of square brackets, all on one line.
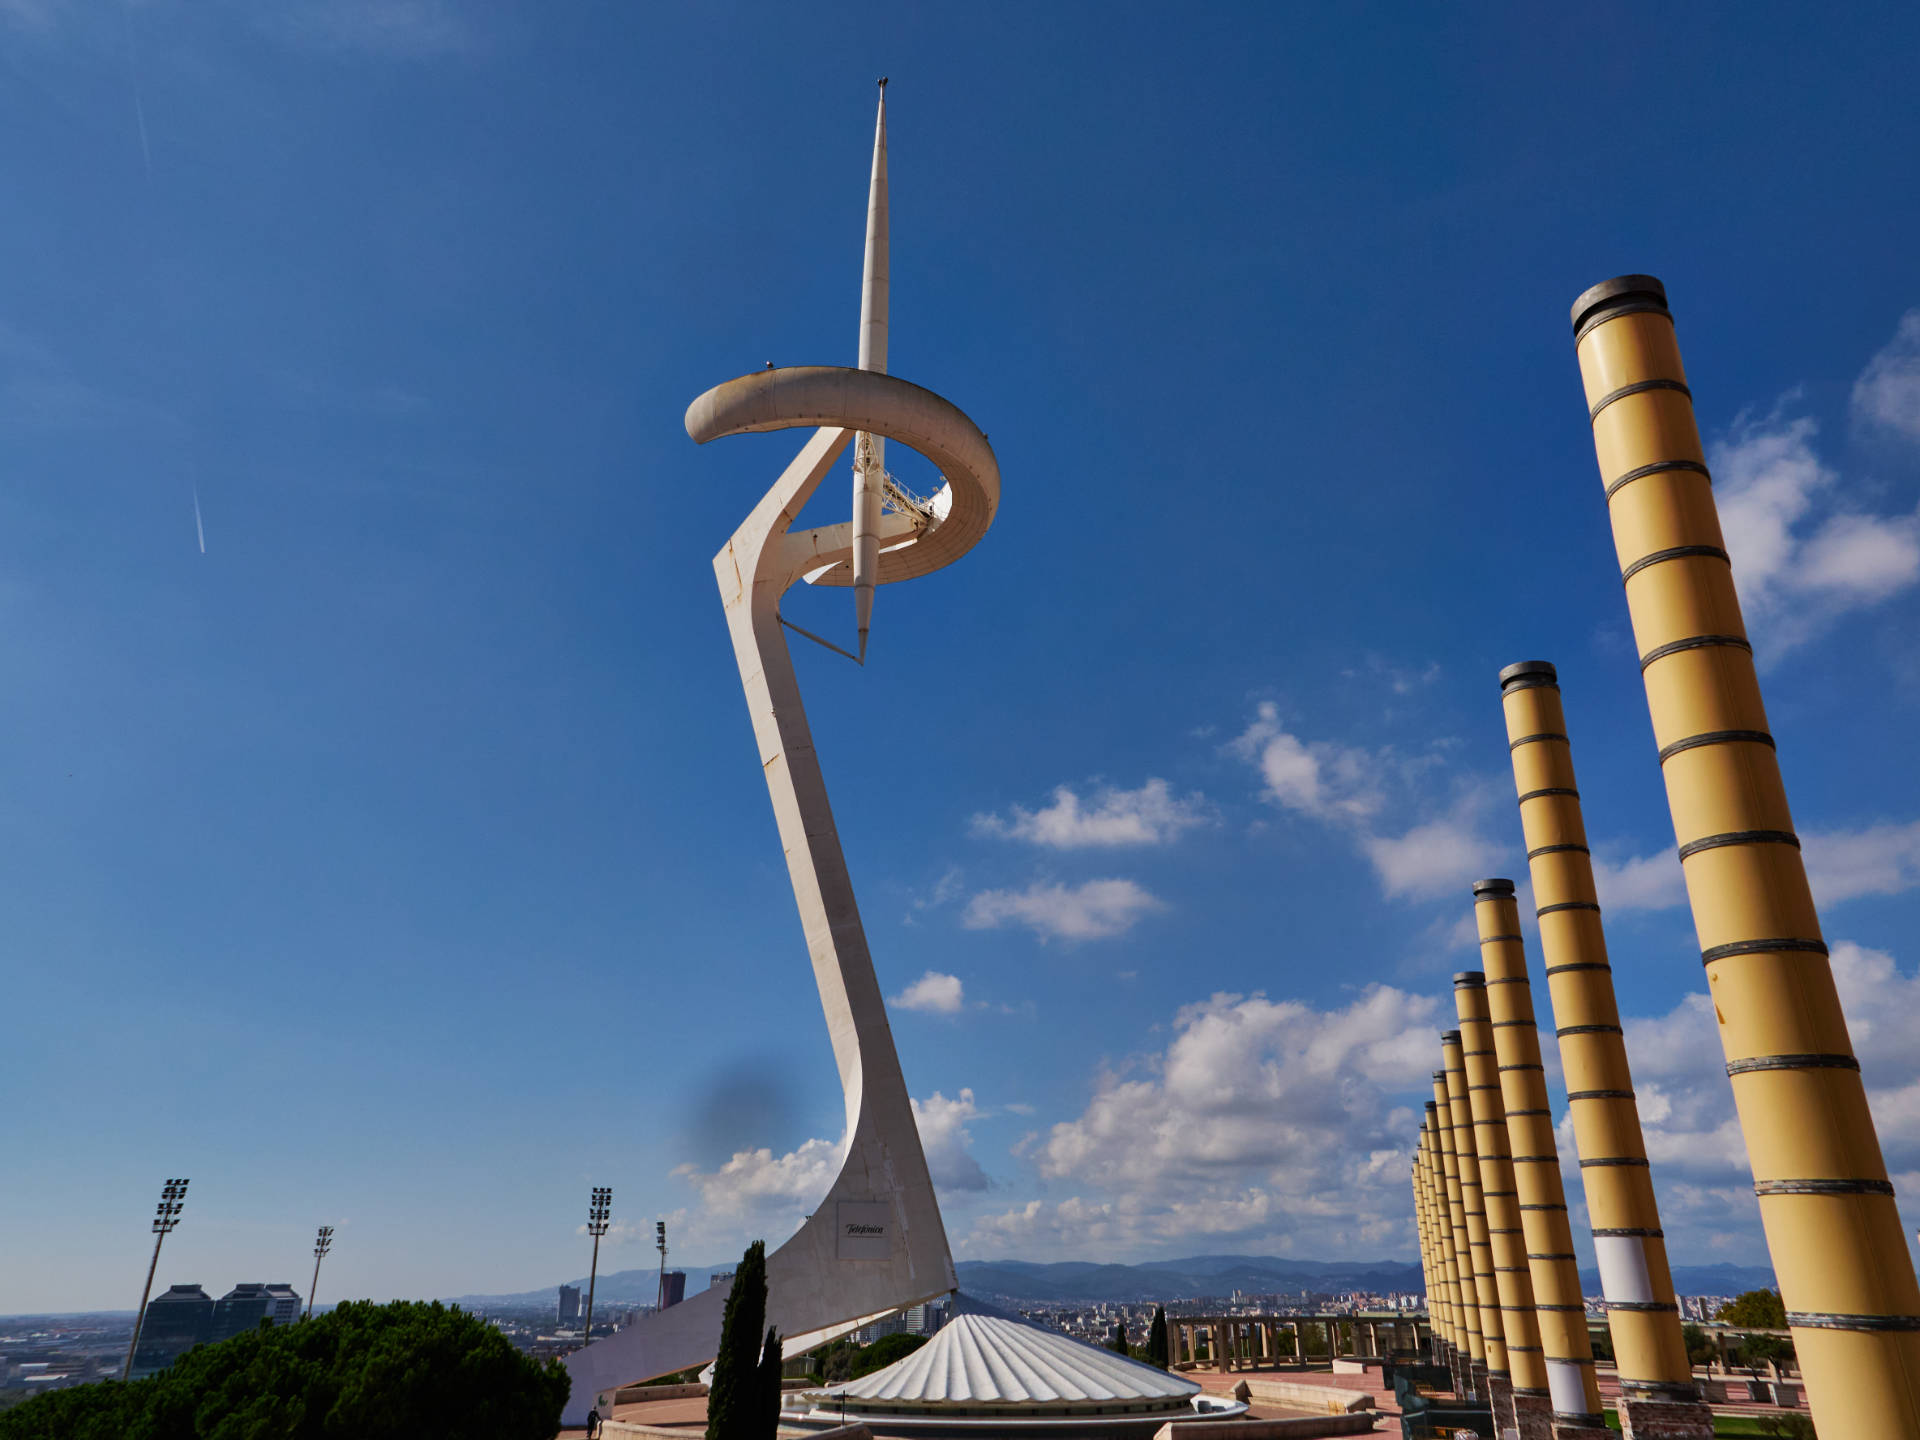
[(990, 1359)]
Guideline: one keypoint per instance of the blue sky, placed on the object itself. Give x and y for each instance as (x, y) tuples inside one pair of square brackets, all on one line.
[(401, 862)]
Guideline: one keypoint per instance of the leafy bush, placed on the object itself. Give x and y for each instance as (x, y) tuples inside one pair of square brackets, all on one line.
[(1762, 1309), (361, 1372), (1759, 1349), (883, 1352)]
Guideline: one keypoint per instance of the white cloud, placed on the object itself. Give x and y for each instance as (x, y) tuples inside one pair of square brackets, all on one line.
[(1841, 865), (1322, 779), (1151, 815), (1439, 858), (1648, 882), (759, 1195), (394, 29), (1692, 1133), (1800, 563), (1271, 1124), (1090, 911), (947, 1141), (35, 15), (1880, 860), (933, 992), (1888, 390)]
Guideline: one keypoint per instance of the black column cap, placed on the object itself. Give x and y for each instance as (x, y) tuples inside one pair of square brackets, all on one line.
[(1469, 978), (1528, 673), (1643, 292), (1493, 889), (1446, 1035)]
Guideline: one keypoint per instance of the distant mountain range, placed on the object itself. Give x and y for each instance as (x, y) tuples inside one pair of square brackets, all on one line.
[(1193, 1278), (1202, 1275), (619, 1287), (1206, 1275)]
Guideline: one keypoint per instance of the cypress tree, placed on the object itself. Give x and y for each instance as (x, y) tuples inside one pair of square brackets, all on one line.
[(1157, 1338), (733, 1411), (769, 1396)]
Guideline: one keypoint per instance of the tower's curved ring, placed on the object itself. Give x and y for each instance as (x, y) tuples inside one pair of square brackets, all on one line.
[(837, 397)]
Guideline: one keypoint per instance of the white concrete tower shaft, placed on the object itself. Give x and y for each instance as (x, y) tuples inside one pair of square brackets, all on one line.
[(875, 1241), (870, 451)]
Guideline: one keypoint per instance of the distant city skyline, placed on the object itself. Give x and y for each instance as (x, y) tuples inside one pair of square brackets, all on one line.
[(399, 864)]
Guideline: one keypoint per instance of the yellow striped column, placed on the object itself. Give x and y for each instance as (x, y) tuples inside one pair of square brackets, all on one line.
[(1627, 1240), (1486, 1295), (1473, 1349), (1431, 1257), (1513, 1280), (1456, 1349), (1420, 1237), (1844, 1270), (1444, 1264), (1567, 1350)]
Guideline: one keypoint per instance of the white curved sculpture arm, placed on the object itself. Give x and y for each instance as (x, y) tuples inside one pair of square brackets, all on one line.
[(836, 1271)]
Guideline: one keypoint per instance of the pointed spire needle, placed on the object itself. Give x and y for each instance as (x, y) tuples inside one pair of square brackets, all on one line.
[(869, 464)]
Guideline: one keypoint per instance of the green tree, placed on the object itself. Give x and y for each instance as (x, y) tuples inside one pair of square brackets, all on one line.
[(1157, 1338), (1759, 1349), (367, 1371), (882, 1353), (769, 1384), (1761, 1309), (833, 1361), (1700, 1349), (734, 1411)]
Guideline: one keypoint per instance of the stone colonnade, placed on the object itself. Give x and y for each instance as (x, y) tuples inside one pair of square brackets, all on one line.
[(1248, 1342)]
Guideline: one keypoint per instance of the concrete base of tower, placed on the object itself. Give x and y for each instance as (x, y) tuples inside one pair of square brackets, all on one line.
[(1665, 1419), (1477, 1377), (1533, 1416), (1581, 1427), (1500, 1401), (1461, 1367)]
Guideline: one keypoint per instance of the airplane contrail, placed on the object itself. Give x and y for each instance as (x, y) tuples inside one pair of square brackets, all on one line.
[(139, 109), (199, 529)]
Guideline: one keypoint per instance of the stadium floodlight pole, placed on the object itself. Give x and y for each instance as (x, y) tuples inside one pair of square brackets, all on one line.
[(322, 1243), (166, 1215), (660, 1242), (1826, 1203), (598, 1208)]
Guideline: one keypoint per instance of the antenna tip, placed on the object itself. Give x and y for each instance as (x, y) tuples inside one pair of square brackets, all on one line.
[(883, 82)]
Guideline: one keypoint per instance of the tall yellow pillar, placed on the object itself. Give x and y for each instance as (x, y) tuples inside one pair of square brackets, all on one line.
[(1457, 1348), (1490, 1377), (1432, 1257), (1513, 1281), (1656, 1379), (1845, 1273), (1567, 1350), (1474, 1351)]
